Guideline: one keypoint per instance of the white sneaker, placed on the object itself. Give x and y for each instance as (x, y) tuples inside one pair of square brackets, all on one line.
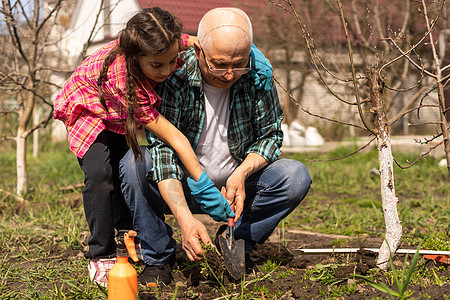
[(99, 268)]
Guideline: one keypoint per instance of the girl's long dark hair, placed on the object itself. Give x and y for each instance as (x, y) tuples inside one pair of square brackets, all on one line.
[(151, 31)]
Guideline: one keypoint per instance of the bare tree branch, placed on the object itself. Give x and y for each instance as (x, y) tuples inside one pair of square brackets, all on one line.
[(56, 8), (311, 48), (23, 86), (352, 66), (407, 107), (419, 158), (316, 115), (345, 156), (425, 123)]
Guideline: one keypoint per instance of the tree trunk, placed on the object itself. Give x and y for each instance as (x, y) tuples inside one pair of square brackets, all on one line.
[(21, 162), (290, 113), (386, 160), (21, 139), (36, 117)]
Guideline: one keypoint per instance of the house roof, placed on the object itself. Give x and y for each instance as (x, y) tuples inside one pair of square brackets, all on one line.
[(190, 12)]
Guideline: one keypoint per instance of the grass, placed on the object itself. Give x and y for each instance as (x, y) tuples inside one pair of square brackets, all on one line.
[(37, 236), (345, 198)]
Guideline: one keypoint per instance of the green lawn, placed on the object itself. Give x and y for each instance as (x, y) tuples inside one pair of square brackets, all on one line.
[(344, 199)]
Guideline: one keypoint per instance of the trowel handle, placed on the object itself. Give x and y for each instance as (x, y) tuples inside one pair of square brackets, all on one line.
[(231, 220)]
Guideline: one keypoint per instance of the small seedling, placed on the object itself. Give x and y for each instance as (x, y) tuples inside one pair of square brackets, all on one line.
[(325, 274), (402, 279), (269, 266), (285, 274)]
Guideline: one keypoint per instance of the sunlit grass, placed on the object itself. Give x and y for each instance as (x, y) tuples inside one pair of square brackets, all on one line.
[(345, 196), (344, 199)]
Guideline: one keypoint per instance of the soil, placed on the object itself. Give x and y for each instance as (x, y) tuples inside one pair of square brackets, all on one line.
[(294, 277)]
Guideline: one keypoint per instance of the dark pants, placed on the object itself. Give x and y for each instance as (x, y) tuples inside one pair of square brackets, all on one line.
[(104, 206)]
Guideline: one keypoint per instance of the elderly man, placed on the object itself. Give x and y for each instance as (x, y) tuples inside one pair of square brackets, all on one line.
[(232, 117)]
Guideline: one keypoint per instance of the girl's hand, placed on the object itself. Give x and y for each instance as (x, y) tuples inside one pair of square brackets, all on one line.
[(210, 199), (262, 71)]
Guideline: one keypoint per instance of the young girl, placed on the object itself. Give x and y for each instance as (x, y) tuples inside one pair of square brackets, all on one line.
[(105, 101)]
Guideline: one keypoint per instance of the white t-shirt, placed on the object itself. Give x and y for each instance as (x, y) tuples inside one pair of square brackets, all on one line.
[(212, 150)]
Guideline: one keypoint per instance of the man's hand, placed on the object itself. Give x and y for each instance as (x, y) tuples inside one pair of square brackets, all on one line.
[(210, 199), (192, 232), (235, 186), (234, 192)]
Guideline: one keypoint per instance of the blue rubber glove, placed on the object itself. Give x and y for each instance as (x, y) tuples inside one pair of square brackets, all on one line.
[(210, 199), (262, 71)]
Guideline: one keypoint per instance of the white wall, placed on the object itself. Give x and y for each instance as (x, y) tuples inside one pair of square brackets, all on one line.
[(84, 19)]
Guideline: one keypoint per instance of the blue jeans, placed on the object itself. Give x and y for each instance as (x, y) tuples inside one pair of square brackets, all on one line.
[(271, 194)]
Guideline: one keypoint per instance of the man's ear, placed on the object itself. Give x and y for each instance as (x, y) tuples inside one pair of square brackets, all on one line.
[(197, 49)]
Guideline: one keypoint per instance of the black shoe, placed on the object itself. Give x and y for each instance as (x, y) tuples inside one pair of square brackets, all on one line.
[(152, 275)]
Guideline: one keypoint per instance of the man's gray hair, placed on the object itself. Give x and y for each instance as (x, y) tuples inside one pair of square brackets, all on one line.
[(204, 30)]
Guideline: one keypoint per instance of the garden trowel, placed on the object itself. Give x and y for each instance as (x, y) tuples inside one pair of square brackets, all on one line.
[(233, 251)]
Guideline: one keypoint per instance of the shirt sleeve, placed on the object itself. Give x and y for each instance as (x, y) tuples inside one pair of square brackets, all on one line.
[(267, 123), (166, 164)]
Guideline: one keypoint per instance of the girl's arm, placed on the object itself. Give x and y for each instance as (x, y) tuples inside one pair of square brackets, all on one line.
[(202, 188), (167, 132)]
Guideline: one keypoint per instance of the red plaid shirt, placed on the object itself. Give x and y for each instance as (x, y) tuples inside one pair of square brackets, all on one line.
[(79, 107)]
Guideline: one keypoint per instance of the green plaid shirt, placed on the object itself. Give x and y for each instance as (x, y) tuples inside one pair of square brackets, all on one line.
[(254, 121)]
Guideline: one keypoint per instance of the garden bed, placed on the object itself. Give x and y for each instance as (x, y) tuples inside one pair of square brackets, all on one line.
[(283, 273)]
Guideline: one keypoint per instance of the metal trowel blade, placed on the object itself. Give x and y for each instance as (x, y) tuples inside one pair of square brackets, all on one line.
[(234, 256)]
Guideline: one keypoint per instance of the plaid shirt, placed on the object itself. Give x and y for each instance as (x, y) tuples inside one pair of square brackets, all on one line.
[(79, 107), (254, 121)]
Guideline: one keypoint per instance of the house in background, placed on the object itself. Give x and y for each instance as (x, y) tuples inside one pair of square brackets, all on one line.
[(190, 12), (96, 25), (93, 24), (290, 69)]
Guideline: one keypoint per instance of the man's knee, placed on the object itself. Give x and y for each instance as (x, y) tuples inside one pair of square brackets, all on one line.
[(297, 179)]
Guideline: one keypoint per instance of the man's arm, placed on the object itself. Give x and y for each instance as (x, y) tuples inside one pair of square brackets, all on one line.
[(192, 230), (235, 189)]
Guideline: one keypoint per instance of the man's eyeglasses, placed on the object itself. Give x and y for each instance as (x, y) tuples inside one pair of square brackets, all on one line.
[(221, 72)]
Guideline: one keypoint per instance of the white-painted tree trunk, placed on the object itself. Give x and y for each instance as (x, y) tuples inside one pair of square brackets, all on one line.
[(21, 163), (389, 200)]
